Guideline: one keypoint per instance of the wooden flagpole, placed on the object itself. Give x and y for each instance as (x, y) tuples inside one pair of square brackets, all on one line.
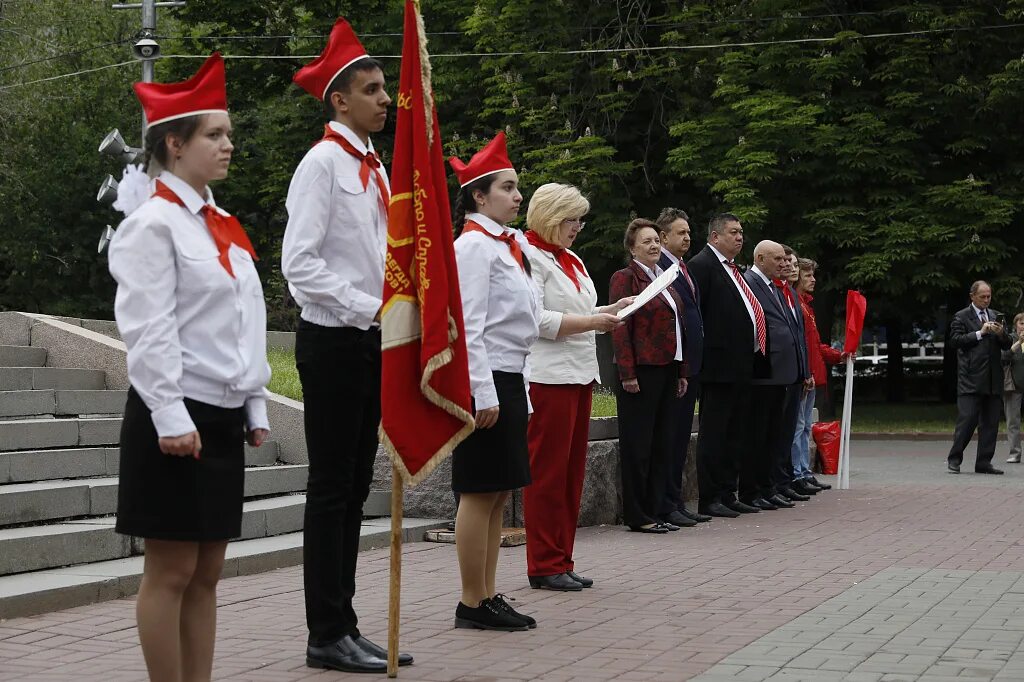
[(395, 589)]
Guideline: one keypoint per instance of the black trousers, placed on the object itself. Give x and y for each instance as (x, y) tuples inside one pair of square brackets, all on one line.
[(765, 424), (782, 465), (647, 427), (340, 373), (981, 412), (723, 439), (684, 408)]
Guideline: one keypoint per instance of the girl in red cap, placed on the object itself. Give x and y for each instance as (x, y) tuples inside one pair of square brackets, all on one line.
[(500, 308), (190, 309)]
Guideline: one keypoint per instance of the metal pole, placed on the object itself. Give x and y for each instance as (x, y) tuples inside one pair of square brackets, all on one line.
[(148, 26)]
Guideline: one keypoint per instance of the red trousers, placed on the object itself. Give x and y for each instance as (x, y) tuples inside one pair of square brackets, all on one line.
[(557, 433)]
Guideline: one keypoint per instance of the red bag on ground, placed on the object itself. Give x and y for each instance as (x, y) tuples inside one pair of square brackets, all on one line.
[(826, 437)]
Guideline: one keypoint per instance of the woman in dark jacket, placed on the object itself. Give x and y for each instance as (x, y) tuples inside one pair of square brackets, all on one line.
[(649, 352)]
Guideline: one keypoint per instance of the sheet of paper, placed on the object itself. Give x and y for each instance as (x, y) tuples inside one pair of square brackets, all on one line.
[(662, 282)]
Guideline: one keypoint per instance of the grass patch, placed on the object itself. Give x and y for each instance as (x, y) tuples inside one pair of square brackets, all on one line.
[(927, 417), (284, 378), (867, 417)]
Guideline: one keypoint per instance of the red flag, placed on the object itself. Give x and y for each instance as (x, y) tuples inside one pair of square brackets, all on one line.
[(856, 307), (425, 395)]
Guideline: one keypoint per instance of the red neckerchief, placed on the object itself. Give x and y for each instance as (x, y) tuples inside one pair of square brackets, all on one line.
[(369, 163), (569, 263), (225, 229), (507, 237), (785, 290)]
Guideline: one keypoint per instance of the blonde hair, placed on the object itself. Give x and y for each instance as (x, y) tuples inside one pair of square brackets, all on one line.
[(550, 205)]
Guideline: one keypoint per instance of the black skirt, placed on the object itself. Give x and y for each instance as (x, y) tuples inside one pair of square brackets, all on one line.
[(167, 497), (496, 459)]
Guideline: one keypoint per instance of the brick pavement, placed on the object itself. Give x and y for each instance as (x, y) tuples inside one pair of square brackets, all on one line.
[(912, 574)]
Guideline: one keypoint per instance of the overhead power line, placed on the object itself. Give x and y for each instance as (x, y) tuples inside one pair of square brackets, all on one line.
[(74, 53), (610, 50)]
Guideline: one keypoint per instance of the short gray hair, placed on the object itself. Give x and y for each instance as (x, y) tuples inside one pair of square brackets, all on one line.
[(718, 223), (978, 284)]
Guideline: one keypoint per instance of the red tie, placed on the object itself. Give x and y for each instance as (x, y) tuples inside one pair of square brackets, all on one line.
[(370, 164), (786, 291), (225, 229), (762, 333), (686, 274), (569, 263), (507, 237)]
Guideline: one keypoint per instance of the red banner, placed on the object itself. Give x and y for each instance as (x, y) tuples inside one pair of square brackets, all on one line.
[(856, 307), (425, 396)]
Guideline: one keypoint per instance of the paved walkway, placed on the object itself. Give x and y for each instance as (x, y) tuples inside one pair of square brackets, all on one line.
[(913, 574)]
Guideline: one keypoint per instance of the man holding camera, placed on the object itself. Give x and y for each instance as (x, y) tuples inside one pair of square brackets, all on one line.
[(978, 334)]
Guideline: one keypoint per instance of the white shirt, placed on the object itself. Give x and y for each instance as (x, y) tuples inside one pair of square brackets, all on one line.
[(571, 359), (743, 297), (653, 274), (499, 307), (191, 329), (336, 238)]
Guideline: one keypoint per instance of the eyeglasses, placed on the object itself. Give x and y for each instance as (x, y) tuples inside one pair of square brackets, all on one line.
[(577, 221)]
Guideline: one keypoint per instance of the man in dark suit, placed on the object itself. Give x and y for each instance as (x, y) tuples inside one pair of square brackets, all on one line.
[(757, 473), (978, 334), (783, 481), (735, 346), (674, 226)]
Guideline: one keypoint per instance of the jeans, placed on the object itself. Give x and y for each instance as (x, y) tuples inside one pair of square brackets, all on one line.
[(802, 438), (1011, 406)]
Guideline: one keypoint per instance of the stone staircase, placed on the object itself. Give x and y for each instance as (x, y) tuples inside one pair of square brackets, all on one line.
[(59, 431)]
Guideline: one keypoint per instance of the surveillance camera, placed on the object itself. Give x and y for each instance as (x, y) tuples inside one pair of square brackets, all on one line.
[(146, 48), (114, 145)]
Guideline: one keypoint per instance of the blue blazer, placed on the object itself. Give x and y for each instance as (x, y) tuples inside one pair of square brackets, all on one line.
[(692, 320)]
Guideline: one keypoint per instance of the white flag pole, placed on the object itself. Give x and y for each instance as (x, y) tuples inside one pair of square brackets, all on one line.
[(843, 478)]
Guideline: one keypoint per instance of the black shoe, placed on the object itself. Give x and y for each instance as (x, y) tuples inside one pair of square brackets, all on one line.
[(780, 501), (345, 655), (804, 487), (793, 495), (988, 469), (374, 650), (741, 507), (559, 583), (655, 528), (762, 504), (952, 468), (696, 516), (720, 510), (668, 526), (500, 601), (679, 519), (488, 616), (814, 481), (586, 582)]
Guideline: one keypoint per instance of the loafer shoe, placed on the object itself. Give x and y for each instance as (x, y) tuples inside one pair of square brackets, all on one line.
[(679, 519), (814, 481), (762, 504), (655, 528), (720, 510), (804, 487), (781, 502), (380, 652), (345, 655), (559, 583), (952, 468), (793, 495), (696, 516), (988, 470), (586, 582), (741, 507)]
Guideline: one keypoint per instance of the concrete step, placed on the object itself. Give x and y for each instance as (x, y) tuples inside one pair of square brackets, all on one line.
[(38, 402), (42, 591), (25, 466), (33, 548), (35, 434), (29, 378), (22, 356), (68, 498), (73, 402)]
